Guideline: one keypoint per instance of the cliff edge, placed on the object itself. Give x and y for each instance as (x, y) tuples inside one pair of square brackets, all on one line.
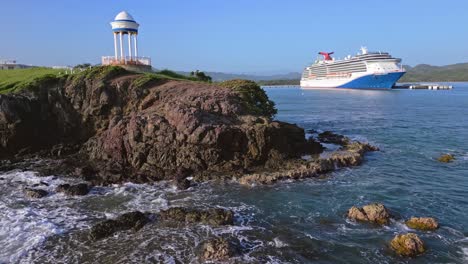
[(121, 126)]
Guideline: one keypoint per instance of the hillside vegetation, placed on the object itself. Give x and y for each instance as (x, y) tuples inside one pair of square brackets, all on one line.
[(11, 80), (428, 73), (19, 79)]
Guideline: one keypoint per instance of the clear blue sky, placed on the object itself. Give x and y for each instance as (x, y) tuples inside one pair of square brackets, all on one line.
[(249, 36)]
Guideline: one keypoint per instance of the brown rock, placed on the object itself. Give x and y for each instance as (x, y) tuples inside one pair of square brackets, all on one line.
[(131, 127), (407, 245), (446, 158), (422, 223), (214, 217), (375, 213), (35, 193), (133, 220), (77, 189), (218, 249)]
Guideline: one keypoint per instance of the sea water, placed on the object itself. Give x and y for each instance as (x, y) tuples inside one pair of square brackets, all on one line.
[(288, 222)]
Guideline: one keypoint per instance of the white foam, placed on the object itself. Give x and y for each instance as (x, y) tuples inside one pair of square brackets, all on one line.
[(465, 253), (278, 243)]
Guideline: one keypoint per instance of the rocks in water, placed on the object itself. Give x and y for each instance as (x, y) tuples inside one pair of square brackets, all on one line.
[(330, 137), (180, 178), (182, 184), (133, 220), (374, 213), (40, 183), (422, 223), (35, 193), (407, 245), (446, 158), (76, 189), (218, 249), (350, 155), (214, 217)]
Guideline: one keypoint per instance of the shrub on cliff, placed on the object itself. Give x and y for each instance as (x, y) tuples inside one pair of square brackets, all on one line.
[(254, 97)]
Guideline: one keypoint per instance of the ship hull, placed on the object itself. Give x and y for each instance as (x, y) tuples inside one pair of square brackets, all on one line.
[(362, 81)]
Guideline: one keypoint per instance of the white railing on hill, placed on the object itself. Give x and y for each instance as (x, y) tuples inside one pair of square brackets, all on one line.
[(111, 60)]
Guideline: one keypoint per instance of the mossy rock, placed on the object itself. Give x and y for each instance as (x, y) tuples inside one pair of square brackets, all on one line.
[(254, 97), (422, 223), (446, 158), (375, 213), (407, 245)]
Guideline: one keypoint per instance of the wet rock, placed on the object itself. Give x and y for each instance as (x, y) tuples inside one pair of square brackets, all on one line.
[(446, 158), (214, 217), (40, 183), (77, 189), (422, 223), (330, 137), (407, 245), (374, 213), (84, 172), (35, 193), (133, 220), (218, 249), (182, 184)]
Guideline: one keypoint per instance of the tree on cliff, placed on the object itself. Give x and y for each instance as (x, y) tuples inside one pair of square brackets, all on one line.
[(200, 75), (254, 96)]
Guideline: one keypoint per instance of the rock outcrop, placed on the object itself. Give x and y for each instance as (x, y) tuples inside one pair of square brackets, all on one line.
[(407, 245), (213, 217), (127, 126), (374, 213), (111, 126), (446, 158), (133, 220), (35, 193), (218, 249), (422, 223), (350, 154), (77, 189)]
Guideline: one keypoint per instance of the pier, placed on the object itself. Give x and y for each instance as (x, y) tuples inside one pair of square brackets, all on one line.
[(426, 86)]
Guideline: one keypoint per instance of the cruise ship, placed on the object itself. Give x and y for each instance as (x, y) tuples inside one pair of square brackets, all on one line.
[(367, 70)]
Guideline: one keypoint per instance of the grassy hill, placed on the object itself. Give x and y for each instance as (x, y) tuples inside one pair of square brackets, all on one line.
[(11, 80), (16, 80), (428, 73)]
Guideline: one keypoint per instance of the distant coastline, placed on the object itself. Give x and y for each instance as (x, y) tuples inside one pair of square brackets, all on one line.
[(420, 73)]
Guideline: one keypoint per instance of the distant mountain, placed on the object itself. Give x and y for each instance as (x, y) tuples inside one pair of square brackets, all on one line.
[(220, 76), (428, 73), (419, 73)]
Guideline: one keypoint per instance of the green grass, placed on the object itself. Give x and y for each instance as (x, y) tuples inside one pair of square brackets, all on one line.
[(15, 80), (147, 78)]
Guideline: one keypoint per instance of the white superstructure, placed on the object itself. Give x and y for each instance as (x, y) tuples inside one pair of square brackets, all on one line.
[(371, 70)]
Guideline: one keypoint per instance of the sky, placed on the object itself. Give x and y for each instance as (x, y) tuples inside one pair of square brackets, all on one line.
[(236, 36)]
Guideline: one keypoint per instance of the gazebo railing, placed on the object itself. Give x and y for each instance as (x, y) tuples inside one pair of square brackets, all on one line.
[(111, 60)]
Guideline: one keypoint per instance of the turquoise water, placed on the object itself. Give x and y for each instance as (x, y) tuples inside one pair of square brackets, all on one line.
[(289, 222), (412, 128)]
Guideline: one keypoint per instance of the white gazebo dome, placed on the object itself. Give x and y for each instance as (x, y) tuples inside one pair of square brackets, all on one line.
[(124, 22), (124, 16)]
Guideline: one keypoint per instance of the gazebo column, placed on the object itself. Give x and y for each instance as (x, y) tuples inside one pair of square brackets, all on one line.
[(136, 46), (115, 47), (130, 45), (122, 57)]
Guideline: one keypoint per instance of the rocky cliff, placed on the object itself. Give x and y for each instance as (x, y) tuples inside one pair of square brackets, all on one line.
[(110, 125)]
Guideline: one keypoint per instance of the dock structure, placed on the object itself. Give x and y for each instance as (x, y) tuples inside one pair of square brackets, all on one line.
[(426, 86)]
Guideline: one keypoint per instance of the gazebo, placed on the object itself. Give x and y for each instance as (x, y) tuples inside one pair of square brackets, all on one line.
[(125, 24)]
